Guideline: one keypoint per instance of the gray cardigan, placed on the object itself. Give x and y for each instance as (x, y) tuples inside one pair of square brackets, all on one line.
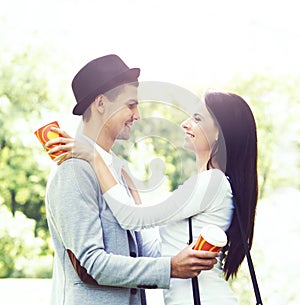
[(94, 261)]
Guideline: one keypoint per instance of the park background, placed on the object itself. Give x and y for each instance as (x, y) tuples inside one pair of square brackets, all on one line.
[(248, 47)]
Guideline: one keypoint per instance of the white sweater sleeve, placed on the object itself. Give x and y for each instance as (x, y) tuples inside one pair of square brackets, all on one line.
[(193, 197)]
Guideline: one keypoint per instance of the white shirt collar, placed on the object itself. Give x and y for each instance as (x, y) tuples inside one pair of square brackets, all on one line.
[(114, 163), (107, 156), (110, 159)]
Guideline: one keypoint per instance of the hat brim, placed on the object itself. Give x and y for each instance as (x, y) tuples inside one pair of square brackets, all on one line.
[(129, 76)]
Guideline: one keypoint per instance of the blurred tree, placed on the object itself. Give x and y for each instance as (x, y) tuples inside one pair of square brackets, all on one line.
[(275, 105), (23, 182), (23, 96), (21, 253), (9, 249)]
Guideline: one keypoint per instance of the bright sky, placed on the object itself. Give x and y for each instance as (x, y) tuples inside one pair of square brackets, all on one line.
[(192, 43), (183, 42)]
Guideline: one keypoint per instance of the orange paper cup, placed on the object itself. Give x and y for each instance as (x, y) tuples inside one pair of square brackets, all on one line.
[(212, 238), (44, 134)]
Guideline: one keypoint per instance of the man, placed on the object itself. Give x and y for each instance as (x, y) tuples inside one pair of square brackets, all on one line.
[(96, 261)]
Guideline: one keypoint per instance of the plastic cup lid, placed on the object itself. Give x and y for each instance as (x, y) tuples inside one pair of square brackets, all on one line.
[(214, 235)]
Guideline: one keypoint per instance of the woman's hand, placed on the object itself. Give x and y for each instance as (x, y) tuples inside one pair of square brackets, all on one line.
[(73, 149)]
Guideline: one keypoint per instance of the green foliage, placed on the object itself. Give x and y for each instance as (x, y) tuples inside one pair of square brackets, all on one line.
[(24, 85), (23, 182), (21, 253), (23, 96), (275, 104), (9, 250)]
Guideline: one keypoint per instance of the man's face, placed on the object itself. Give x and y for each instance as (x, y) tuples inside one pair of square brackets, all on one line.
[(121, 113)]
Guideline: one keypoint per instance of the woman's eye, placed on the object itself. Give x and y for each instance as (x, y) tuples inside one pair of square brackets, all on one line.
[(197, 118)]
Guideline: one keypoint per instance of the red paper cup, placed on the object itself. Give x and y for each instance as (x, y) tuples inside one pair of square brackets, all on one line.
[(212, 238), (44, 134)]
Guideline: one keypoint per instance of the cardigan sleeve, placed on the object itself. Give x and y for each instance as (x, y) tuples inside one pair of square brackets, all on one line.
[(195, 196)]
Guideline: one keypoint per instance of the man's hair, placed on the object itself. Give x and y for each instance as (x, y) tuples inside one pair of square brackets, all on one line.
[(111, 95), (87, 114)]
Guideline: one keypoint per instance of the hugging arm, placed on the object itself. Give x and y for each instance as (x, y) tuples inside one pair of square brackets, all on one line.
[(67, 218), (193, 197)]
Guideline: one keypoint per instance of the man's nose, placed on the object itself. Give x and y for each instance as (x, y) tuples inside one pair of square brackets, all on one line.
[(136, 114)]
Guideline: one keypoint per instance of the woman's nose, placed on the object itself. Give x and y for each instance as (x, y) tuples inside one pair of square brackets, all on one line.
[(185, 124)]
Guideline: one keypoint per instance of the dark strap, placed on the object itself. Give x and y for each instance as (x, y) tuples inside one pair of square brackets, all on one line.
[(247, 251), (249, 259), (190, 231), (143, 297), (196, 293)]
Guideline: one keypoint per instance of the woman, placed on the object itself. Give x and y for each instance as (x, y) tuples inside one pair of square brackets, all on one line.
[(222, 134)]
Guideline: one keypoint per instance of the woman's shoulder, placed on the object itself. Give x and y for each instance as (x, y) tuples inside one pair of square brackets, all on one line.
[(212, 173), (214, 177)]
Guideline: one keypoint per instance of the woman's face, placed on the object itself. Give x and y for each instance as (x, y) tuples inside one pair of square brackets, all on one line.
[(200, 131)]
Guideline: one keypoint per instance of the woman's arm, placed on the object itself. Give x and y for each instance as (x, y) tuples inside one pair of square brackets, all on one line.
[(86, 152), (82, 151), (193, 197)]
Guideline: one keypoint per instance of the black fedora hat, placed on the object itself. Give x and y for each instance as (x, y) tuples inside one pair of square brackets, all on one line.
[(99, 76)]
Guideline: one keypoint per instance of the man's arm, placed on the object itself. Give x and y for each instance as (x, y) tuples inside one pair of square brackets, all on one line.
[(189, 263), (73, 209)]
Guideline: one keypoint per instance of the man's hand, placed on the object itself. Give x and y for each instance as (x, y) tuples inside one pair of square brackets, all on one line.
[(189, 263)]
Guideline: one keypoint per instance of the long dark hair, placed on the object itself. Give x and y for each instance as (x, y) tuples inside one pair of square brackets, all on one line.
[(236, 153)]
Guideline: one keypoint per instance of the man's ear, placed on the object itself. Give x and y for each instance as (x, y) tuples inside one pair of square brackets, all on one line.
[(99, 104)]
